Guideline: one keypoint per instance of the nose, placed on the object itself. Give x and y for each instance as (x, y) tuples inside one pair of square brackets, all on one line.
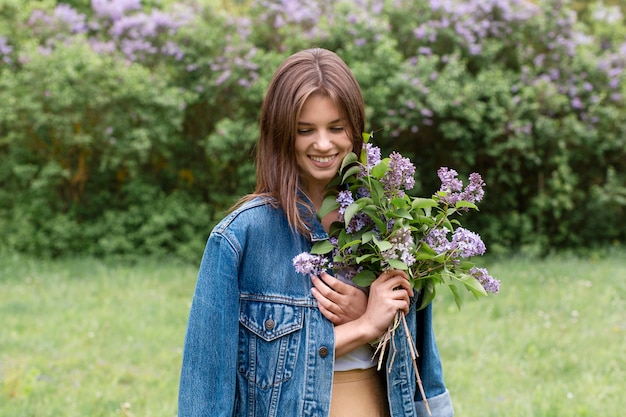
[(323, 141)]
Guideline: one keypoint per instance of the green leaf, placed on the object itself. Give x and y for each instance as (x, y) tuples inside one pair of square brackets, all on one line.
[(378, 193), (399, 202), (467, 204), (351, 243), (381, 168), (351, 210), (348, 160), (428, 293), (322, 247), (364, 278), (350, 172), (360, 259), (472, 284), (367, 236), (420, 203), (402, 213), (397, 264), (328, 205), (382, 245), (457, 296)]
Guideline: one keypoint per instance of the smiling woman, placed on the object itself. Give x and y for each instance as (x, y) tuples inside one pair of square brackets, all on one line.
[(263, 339)]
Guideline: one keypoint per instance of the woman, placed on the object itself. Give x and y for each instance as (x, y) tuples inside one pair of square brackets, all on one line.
[(262, 339)]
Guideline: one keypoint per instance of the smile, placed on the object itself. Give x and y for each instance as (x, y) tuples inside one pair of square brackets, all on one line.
[(322, 159)]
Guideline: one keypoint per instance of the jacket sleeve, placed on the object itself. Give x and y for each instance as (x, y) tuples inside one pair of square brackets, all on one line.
[(431, 371), (209, 365)]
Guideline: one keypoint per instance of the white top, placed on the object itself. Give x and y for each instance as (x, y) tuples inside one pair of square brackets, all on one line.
[(361, 357)]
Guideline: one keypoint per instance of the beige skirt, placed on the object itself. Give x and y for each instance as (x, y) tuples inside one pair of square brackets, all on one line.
[(358, 393)]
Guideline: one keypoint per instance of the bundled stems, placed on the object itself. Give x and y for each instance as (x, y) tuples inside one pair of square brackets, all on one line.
[(389, 336)]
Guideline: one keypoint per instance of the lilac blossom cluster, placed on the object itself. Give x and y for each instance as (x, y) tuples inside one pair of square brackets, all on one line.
[(402, 247), (401, 175), (116, 25), (489, 283), (473, 21), (464, 243), (309, 264), (359, 220), (5, 50), (452, 188)]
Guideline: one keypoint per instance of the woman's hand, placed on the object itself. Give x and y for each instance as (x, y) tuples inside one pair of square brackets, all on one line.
[(339, 302), (390, 293)]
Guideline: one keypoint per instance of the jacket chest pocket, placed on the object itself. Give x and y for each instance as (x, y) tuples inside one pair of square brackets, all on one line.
[(269, 337)]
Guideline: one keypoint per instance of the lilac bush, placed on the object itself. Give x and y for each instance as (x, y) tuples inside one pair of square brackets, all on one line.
[(529, 94)]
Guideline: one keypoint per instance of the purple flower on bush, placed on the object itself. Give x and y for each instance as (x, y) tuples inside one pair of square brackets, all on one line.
[(5, 50), (450, 184), (400, 176), (114, 9), (437, 240), (452, 187), (307, 263), (372, 158), (402, 245), (474, 191), (69, 16), (489, 283), (467, 243), (344, 198)]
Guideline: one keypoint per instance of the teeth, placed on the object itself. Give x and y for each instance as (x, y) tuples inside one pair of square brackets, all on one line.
[(322, 160)]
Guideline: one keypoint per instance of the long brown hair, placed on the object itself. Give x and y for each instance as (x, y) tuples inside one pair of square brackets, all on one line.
[(306, 73)]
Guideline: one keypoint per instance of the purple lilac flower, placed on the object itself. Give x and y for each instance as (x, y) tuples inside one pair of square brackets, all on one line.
[(357, 223), (402, 245), (74, 20), (489, 283), (437, 240), (5, 50), (307, 263), (400, 176), (474, 191), (372, 157), (450, 185), (344, 198), (467, 243), (114, 9)]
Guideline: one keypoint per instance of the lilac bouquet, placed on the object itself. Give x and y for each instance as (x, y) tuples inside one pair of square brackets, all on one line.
[(381, 227)]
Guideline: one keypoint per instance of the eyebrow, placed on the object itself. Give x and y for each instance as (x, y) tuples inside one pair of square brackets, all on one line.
[(330, 123)]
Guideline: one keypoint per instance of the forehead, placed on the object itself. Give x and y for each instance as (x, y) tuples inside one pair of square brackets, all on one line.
[(319, 107)]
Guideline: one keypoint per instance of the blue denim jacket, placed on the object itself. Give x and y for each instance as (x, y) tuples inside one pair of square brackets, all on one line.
[(256, 343)]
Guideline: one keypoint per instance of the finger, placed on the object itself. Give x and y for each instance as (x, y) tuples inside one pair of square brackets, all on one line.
[(335, 284), (325, 290), (323, 304), (323, 301)]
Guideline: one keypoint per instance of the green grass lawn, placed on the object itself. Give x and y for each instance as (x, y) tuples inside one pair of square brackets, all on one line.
[(91, 338)]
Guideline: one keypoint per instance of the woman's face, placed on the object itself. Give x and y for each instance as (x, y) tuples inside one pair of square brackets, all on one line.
[(322, 141)]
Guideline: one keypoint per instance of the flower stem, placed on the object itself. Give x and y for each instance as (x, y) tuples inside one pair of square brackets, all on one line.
[(414, 356)]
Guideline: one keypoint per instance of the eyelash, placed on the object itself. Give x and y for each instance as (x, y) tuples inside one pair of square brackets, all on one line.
[(332, 129)]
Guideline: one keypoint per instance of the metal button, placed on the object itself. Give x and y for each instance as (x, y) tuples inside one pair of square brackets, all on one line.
[(269, 324), (323, 351)]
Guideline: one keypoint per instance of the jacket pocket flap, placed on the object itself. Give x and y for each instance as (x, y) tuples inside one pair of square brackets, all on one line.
[(270, 320)]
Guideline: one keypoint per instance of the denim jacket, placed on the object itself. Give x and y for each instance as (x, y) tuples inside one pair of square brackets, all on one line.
[(256, 343)]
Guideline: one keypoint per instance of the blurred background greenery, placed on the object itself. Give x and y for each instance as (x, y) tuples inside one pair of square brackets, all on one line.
[(127, 128)]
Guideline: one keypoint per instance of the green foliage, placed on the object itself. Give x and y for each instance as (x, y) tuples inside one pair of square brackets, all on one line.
[(92, 120)]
